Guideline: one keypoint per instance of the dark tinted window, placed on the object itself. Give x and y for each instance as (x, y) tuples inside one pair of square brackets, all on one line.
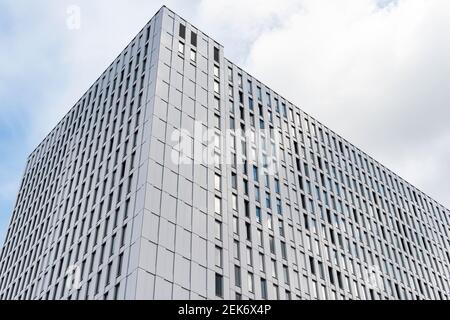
[(216, 54), (182, 31), (193, 39)]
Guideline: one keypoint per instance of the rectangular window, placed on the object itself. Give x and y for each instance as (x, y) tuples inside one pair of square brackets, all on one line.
[(218, 257), (263, 289), (272, 244), (234, 202), (216, 103), (314, 289), (237, 276), (236, 250), (269, 221), (258, 89), (193, 55), (323, 294), (276, 293), (119, 266), (261, 124), (218, 182), (288, 295), (217, 160), (286, 274), (250, 282), (283, 109), (218, 230), (233, 180), (216, 71), (182, 31), (311, 265), (219, 285), (246, 208), (248, 231), (258, 214), (218, 205), (216, 87), (262, 265), (255, 173), (266, 177), (260, 237), (181, 47), (235, 225), (249, 256), (216, 54), (274, 268), (321, 270), (257, 195), (281, 227), (268, 203), (279, 207), (193, 38)]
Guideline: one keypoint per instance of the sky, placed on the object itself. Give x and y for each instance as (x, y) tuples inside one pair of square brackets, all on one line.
[(377, 72)]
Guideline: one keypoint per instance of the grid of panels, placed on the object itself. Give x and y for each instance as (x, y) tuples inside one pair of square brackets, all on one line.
[(76, 200), (298, 213), (338, 225), (331, 223), (184, 244)]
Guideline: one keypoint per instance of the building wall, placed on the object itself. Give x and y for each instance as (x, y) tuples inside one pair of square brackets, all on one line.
[(82, 186), (178, 239), (297, 213)]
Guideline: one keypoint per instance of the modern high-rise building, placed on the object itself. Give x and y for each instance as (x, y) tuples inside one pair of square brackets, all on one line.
[(178, 175)]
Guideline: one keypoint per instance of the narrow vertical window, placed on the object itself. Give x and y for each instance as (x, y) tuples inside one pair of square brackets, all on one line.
[(250, 282), (218, 182), (193, 55), (218, 205), (216, 54), (237, 276), (193, 38), (181, 47), (219, 285), (216, 71), (218, 257), (216, 87), (218, 230), (182, 31), (263, 289)]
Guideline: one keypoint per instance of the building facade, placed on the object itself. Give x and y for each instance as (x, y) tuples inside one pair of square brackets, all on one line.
[(178, 175)]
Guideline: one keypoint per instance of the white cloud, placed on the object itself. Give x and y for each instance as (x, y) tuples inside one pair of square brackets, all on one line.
[(236, 24), (378, 76)]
